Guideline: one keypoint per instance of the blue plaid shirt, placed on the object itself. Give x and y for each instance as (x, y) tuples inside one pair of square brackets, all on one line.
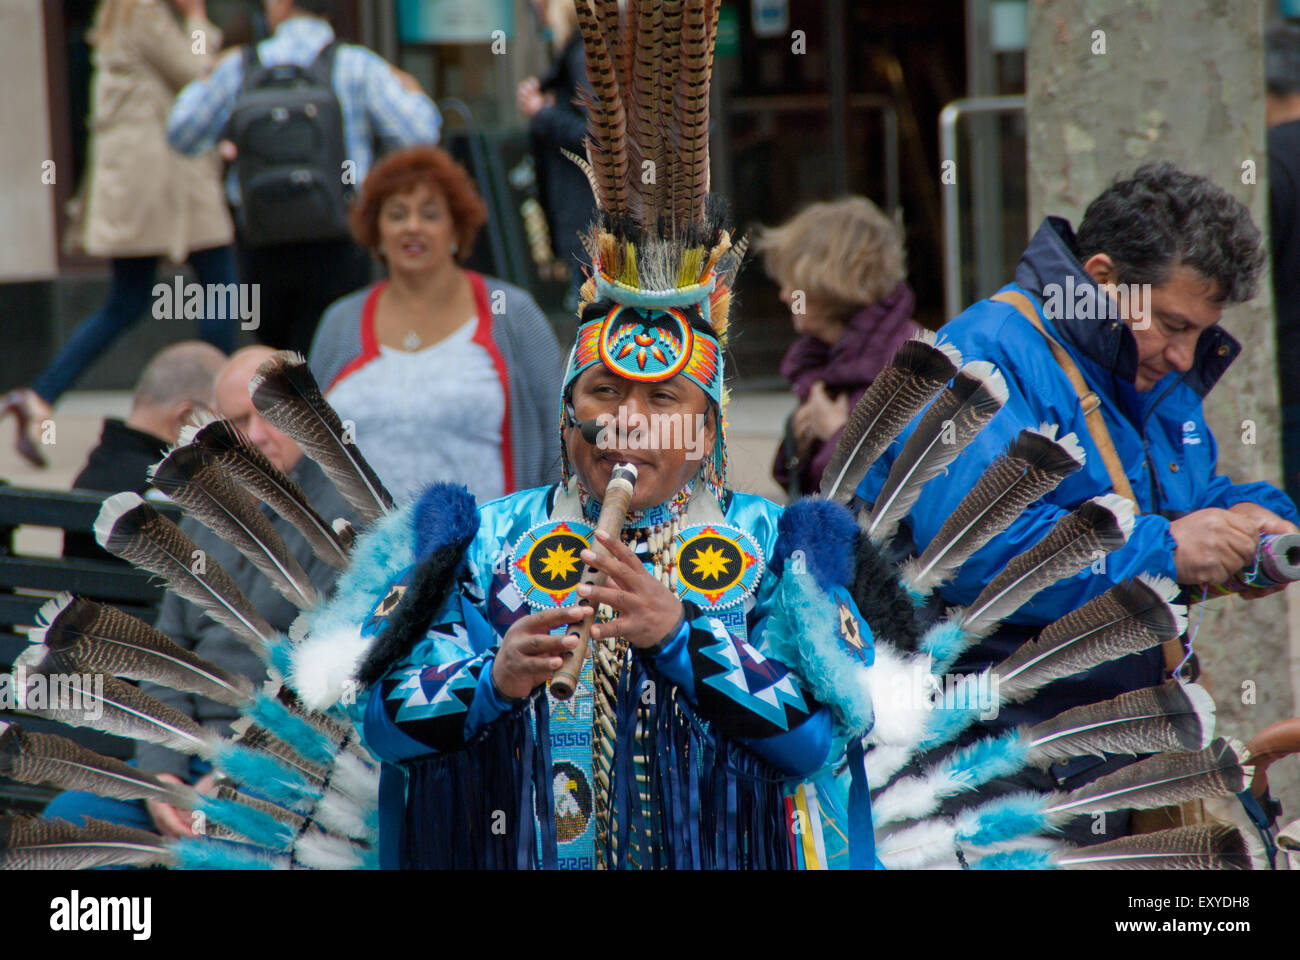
[(373, 99)]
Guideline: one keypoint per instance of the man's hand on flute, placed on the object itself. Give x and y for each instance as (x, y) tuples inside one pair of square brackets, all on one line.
[(529, 653), (647, 611)]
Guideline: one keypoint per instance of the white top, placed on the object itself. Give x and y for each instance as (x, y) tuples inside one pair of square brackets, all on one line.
[(428, 415)]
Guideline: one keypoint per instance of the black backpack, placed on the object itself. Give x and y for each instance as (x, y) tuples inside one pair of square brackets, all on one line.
[(288, 128)]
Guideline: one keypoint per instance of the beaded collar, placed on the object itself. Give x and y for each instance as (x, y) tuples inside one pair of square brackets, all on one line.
[(640, 519)]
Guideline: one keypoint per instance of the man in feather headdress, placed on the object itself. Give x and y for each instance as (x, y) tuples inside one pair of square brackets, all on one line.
[(680, 675)]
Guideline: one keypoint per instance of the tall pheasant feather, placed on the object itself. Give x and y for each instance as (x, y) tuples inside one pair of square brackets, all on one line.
[(691, 132), (606, 118)]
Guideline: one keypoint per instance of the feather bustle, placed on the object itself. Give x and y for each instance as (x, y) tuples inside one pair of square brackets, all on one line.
[(288, 397), (106, 639), (951, 422), (251, 469), (131, 529), (1032, 466), (918, 371), (209, 494)]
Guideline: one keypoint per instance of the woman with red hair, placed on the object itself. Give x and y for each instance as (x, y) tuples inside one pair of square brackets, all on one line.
[(444, 374)]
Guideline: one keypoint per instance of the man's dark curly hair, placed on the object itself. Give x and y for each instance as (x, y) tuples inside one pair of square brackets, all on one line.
[(1161, 218)]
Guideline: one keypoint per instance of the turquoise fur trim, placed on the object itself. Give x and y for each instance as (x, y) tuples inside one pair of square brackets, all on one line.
[(254, 825), (265, 776), (1016, 860), (216, 855), (382, 552), (697, 294), (803, 632), (1004, 819), (281, 655), (944, 642), (985, 760), (295, 731), (945, 725)]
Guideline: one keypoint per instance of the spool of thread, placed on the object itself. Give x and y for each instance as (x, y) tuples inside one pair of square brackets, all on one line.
[(613, 511), (1277, 562)]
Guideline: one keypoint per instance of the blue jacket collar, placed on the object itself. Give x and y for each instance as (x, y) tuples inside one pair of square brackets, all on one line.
[(1050, 258)]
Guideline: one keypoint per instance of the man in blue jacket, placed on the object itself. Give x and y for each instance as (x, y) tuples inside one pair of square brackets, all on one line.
[(1150, 360)]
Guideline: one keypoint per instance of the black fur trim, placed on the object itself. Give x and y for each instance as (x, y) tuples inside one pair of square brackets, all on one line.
[(881, 599), (408, 624)]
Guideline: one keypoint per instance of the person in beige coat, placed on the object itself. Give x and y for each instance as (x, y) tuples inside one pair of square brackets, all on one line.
[(143, 200)]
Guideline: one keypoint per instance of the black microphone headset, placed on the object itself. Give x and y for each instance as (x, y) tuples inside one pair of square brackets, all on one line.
[(590, 429)]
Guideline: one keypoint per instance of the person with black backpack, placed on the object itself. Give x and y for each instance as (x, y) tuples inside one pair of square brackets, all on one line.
[(303, 113)]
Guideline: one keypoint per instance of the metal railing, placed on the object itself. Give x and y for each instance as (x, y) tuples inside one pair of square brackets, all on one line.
[(952, 253)]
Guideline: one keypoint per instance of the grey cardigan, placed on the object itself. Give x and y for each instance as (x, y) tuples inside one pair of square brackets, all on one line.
[(526, 344)]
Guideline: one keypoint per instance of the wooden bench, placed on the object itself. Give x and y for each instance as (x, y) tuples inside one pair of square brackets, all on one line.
[(27, 582)]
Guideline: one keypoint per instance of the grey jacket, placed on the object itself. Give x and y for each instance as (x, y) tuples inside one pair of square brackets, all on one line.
[(533, 362), (193, 629)]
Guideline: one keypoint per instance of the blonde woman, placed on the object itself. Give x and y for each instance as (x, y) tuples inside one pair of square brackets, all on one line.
[(840, 267), (143, 201)]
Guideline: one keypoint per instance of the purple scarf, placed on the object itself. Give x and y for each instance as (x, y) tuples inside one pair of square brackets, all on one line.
[(870, 339)]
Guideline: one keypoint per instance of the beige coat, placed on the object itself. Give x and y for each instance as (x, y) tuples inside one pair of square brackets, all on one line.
[(142, 197)]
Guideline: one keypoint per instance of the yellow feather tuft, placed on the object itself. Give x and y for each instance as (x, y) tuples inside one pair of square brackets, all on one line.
[(629, 274), (688, 272)]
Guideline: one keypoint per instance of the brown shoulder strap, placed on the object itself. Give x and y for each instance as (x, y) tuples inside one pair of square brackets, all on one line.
[(1174, 650), (1088, 398)]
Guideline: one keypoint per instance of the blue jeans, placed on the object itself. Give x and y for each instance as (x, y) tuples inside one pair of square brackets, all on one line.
[(128, 298)]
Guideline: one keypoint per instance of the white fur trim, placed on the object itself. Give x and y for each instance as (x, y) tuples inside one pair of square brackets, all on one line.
[(342, 815), (356, 779), (899, 688), (323, 664), (320, 851)]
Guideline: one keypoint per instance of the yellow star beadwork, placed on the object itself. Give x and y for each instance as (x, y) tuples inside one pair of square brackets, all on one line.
[(559, 562), (710, 563)]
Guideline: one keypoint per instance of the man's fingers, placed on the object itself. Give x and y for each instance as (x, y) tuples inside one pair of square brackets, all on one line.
[(613, 597), (621, 562), (547, 620), (547, 645)]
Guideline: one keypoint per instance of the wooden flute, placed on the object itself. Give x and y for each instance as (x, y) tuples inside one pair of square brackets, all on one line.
[(613, 511)]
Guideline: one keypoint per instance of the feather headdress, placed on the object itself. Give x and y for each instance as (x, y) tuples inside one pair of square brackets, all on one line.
[(657, 299)]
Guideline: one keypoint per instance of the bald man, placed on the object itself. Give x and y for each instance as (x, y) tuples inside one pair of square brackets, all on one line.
[(176, 383), (190, 627)]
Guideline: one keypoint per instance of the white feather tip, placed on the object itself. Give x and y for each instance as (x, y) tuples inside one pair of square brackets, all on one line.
[(113, 508), (1121, 507), (1069, 443), (991, 376), (1205, 708)]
